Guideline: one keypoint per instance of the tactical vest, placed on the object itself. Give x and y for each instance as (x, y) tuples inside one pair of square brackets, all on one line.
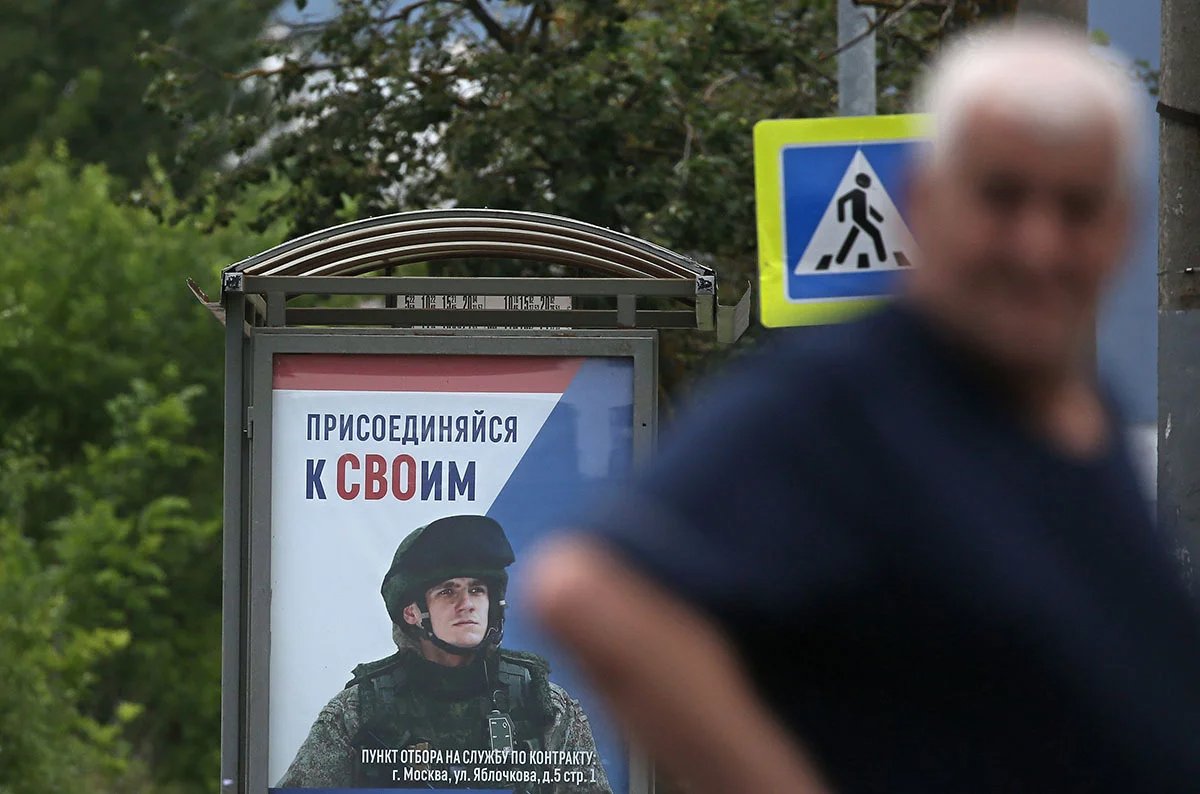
[(409, 704)]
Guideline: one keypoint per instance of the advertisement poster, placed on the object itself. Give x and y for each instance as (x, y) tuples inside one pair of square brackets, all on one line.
[(422, 669)]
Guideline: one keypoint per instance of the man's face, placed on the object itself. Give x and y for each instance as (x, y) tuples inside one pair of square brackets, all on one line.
[(458, 610), (1019, 230)]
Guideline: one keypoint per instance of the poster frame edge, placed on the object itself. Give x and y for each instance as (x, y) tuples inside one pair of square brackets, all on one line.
[(253, 576)]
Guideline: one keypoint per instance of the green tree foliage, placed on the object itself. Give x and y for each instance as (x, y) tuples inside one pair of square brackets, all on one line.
[(46, 742), (71, 71), (110, 428), (93, 296), (632, 114), (141, 546)]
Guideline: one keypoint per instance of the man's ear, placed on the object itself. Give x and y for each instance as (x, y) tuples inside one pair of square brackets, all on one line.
[(412, 615)]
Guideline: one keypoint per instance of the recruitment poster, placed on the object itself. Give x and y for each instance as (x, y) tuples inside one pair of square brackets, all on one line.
[(483, 455)]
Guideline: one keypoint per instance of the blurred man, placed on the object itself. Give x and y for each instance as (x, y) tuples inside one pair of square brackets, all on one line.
[(909, 554), (404, 721)]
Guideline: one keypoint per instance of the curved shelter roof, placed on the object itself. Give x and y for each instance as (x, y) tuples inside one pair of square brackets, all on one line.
[(617, 269), (365, 246)]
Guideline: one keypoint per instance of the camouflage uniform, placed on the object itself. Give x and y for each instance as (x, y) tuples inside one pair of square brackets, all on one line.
[(406, 721), (443, 708)]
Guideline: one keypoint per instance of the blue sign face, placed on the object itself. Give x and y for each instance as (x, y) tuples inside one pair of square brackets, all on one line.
[(845, 228)]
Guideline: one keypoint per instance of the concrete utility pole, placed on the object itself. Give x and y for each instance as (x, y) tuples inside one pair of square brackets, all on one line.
[(1179, 278), (856, 63), (1072, 11)]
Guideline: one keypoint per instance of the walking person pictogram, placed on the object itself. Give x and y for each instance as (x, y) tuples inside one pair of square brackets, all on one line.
[(861, 214), (860, 232)]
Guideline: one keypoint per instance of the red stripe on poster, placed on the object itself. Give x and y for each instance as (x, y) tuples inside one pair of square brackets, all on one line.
[(326, 372)]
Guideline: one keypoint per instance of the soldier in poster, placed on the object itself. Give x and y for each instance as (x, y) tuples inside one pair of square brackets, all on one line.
[(451, 709)]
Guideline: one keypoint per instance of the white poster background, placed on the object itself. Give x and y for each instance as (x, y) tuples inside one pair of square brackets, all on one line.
[(329, 557)]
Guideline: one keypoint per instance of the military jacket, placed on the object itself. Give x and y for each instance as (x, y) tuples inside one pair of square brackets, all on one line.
[(405, 722)]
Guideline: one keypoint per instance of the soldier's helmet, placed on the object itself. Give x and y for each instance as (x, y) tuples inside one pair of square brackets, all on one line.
[(450, 547)]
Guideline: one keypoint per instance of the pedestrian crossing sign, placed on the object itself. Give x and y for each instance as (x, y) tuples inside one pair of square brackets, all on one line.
[(833, 236)]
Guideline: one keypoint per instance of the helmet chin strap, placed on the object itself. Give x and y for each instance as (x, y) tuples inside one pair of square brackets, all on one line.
[(491, 639)]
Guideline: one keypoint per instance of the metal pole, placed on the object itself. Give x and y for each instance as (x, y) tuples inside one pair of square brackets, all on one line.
[(233, 693), (1070, 11), (856, 63), (1178, 280)]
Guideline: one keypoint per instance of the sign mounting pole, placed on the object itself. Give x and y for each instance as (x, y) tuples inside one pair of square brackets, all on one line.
[(856, 61)]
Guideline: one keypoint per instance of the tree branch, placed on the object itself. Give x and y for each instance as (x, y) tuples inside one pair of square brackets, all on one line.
[(715, 84), (498, 32), (299, 29), (891, 13), (293, 67), (187, 56), (793, 56), (949, 12), (527, 30), (891, 6), (403, 14)]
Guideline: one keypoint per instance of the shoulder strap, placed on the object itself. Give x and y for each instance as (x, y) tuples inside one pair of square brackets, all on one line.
[(377, 683), (517, 681), (371, 669), (526, 679), (379, 725)]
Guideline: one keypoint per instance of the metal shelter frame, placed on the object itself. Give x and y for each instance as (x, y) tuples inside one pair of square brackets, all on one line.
[(620, 272), (626, 268)]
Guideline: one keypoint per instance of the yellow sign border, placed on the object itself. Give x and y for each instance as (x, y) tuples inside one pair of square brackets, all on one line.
[(770, 138)]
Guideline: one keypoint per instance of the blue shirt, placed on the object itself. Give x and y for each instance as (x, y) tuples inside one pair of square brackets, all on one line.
[(933, 598)]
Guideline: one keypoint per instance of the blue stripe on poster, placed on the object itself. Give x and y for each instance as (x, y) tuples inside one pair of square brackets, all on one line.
[(586, 442)]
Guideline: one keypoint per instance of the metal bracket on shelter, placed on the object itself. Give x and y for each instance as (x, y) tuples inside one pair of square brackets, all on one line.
[(628, 282)]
